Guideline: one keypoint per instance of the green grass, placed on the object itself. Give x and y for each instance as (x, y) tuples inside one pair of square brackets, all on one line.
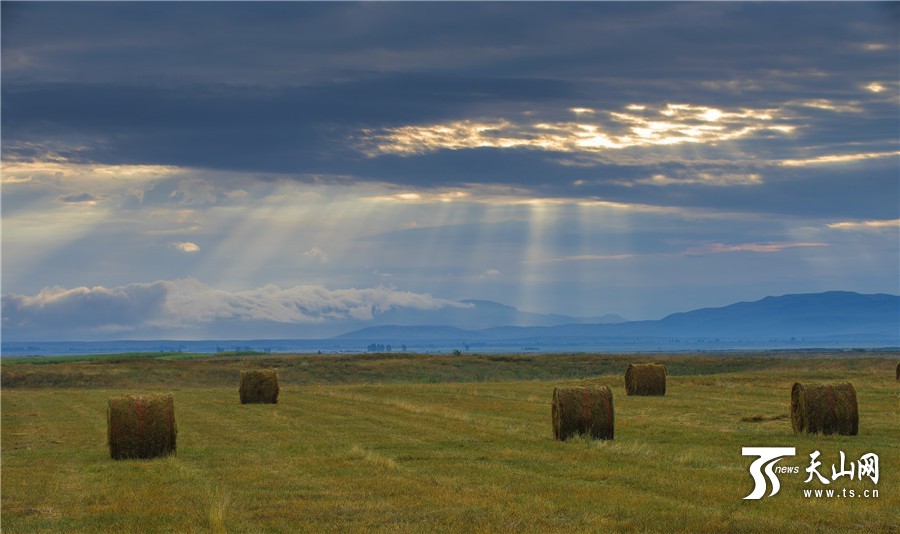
[(367, 443)]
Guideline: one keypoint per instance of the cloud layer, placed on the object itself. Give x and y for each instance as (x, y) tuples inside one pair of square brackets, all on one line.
[(188, 307), (581, 158)]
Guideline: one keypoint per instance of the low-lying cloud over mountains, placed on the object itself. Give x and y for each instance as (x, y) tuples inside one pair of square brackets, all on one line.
[(188, 309)]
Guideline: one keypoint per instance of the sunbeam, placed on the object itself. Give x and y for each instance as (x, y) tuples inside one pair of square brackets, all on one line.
[(531, 279), (387, 153)]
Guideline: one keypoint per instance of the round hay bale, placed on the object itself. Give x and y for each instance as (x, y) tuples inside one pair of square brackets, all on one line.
[(645, 379), (824, 409), (141, 426), (583, 410), (259, 386)]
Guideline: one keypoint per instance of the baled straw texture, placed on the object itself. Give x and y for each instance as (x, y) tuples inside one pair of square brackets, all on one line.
[(259, 386), (824, 409), (583, 410), (645, 379), (141, 426)]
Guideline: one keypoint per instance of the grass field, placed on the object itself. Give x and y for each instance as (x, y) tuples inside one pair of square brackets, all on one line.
[(438, 443)]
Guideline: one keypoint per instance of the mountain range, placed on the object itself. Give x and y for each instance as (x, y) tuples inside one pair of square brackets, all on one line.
[(829, 315), (835, 320)]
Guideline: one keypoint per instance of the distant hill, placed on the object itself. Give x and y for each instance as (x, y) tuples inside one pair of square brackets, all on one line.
[(833, 314), (817, 314)]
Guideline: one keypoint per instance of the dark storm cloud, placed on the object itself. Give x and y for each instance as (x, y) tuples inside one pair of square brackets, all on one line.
[(259, 129), (302, 42), (289, 88)]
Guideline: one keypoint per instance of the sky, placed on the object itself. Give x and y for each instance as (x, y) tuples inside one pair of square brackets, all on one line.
[(195, 170)]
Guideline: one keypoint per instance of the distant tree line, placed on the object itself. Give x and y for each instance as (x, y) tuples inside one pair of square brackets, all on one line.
[(381, 347)]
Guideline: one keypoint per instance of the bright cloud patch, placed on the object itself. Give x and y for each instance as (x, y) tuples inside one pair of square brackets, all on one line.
[(58, 170), (186, 246), (830, 105), (317, 254), (703, 178), (893, 224), (489, 274), (591, 132), (70, 182), (838, 158)]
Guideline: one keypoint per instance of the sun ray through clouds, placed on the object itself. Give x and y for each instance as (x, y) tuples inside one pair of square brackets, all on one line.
[(531, 282), (605, 238), (383, 148)]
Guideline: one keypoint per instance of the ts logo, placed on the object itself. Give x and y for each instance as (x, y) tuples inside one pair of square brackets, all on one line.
[(768, 457)]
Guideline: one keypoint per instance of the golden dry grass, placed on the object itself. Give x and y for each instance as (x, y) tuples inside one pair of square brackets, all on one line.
[(460, 457)]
